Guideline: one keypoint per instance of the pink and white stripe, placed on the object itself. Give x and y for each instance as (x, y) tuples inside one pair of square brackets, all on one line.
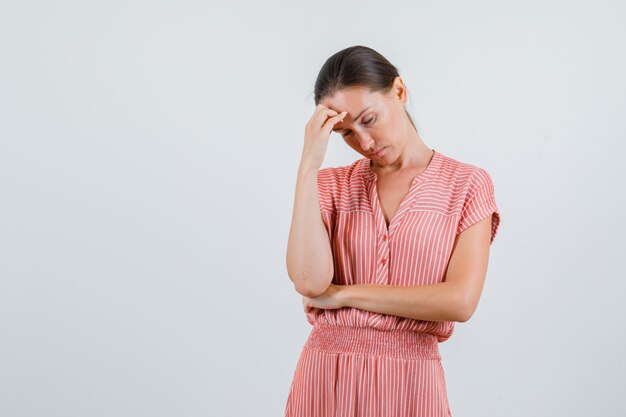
[(361, 363)]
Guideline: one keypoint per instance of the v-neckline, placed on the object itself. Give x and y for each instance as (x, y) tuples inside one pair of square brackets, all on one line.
[(401, 206), (407, 200)]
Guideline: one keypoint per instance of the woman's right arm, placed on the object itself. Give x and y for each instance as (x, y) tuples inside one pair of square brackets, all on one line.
[(309, 254)]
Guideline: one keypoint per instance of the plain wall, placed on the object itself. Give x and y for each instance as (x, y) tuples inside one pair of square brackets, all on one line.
[(148, 154)]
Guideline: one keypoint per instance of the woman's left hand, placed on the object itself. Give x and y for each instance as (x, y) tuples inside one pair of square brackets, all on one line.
[(330, 299)]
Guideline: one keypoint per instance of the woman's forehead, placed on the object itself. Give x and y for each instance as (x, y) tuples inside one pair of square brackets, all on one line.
[(351, 100)]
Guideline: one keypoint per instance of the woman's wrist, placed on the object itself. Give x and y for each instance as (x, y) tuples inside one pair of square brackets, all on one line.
[(344, 295)]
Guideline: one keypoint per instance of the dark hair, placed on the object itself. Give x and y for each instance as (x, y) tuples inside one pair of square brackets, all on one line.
[(356, 66)]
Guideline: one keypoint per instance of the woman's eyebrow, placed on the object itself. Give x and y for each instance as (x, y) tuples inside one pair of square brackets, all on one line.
[(357, 118)]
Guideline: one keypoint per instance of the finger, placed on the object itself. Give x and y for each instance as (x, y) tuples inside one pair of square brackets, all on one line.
[(331, 122), (321, 114), (320, 108)]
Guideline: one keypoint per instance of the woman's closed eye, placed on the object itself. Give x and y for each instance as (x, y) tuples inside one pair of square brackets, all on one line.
[(366, 122)]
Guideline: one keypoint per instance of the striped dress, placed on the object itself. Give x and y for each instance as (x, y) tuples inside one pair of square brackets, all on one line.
[(357, 363)]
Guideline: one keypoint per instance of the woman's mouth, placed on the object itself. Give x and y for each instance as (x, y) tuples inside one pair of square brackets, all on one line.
[(378, 153)]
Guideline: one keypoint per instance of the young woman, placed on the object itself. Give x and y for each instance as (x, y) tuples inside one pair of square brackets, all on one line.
[(388, 252)]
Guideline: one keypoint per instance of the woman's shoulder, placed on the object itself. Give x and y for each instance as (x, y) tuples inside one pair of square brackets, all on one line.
[(454, 171), (457, 180), (343, 174)]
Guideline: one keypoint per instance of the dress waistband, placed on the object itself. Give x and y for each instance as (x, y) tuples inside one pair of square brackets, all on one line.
[(371, 341)]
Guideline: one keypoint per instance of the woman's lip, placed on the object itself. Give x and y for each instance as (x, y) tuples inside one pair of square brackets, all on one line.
[(377, 153)]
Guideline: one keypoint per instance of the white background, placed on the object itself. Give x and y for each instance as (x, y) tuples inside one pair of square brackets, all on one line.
[(148, 153)]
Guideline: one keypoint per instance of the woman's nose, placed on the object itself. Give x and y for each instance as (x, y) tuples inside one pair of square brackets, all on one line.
[(365, 142)]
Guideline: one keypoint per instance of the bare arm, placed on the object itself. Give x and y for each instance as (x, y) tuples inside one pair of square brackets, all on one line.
[(309, 254), (439, 302)]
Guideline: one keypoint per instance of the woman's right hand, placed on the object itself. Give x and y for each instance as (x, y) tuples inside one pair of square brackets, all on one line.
[(316, 134)]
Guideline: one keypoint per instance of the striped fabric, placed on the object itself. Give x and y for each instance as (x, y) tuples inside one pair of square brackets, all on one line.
[(360, 363)]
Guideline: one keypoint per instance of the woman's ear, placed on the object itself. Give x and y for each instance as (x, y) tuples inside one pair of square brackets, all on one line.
[(399, 90)]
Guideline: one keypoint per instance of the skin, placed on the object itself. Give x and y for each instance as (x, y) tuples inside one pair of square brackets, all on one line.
[(385, 124)]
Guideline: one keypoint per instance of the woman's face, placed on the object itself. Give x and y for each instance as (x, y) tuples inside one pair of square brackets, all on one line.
[(374, 121)]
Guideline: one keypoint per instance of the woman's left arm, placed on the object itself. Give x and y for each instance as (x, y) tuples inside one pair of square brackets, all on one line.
[(455, 299)]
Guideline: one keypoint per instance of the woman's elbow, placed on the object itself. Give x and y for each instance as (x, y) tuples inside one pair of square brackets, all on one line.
[(310, 287), (464, 311)]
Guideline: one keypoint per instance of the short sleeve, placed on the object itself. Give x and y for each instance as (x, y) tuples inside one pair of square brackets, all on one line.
[(327, 187), (479, 203)]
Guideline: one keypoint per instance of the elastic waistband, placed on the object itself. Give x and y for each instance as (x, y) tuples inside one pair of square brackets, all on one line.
[(370, 341)]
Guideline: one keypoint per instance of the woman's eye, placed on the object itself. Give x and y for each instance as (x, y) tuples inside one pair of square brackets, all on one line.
[(367, 122)]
